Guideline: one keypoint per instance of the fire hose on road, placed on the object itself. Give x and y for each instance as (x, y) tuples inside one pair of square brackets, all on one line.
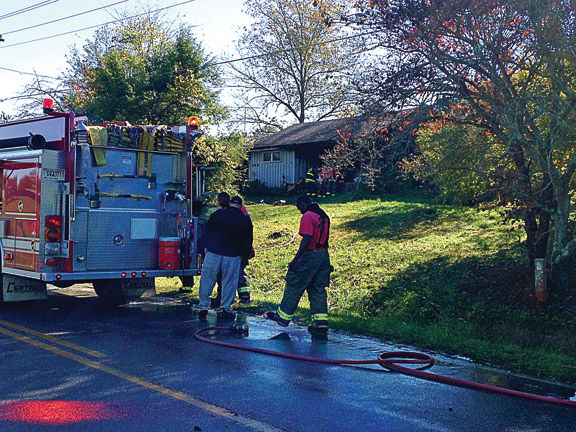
[(391, 360)]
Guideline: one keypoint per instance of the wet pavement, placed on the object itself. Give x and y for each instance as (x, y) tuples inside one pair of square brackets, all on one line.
[(72, 362)]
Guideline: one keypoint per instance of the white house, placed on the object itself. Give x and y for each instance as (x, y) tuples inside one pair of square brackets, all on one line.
[(283, 158)]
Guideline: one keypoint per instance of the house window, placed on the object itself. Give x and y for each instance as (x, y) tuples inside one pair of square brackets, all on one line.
[(271, 156)]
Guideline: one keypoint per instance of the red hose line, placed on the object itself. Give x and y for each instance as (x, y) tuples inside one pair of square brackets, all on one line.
[(390, 360)]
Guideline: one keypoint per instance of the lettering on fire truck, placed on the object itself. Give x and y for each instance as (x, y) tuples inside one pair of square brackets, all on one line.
[(22, 288)]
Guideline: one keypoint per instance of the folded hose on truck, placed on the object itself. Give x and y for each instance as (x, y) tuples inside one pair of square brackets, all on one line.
[(391, 360)]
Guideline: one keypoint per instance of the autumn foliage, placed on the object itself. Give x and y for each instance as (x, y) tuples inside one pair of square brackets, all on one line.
[(506, 67)]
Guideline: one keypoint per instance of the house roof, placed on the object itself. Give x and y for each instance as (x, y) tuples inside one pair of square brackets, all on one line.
[(321, 133)]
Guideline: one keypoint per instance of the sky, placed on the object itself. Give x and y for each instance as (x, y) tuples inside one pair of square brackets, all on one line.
[(216, 22)]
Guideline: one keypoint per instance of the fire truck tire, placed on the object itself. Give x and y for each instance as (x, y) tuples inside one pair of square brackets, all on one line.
[(187, 281), (109, 291)]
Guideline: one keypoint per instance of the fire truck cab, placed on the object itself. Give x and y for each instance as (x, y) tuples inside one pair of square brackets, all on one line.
[(111, 204)]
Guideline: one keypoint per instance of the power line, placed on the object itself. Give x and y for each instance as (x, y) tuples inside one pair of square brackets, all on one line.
[(95, 26), (280, 51), (182, 70), (27, 73), (28, 9), (65, 18), (289, 49)]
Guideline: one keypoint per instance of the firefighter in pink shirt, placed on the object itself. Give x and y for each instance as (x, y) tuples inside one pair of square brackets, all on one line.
[(309, 270)]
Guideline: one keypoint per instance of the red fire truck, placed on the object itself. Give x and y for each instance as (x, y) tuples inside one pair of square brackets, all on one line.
[(112, 204)]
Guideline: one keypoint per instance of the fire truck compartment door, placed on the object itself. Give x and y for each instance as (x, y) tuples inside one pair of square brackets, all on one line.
[(21, 204), (116, 242)]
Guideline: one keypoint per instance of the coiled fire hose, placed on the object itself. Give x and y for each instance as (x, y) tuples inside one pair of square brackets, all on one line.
[(391, 360)]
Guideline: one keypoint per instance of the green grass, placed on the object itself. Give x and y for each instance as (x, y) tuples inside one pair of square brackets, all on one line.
[(438, 277)]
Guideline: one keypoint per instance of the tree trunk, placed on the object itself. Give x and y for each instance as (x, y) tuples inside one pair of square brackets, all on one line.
[(536, 222), (537, 227), (564, 246)]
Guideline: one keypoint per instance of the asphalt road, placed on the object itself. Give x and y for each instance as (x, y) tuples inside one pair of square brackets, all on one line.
[(71, 363)]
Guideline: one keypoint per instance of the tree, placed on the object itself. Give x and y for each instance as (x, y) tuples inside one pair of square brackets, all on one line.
[(147, 71), (5, 118), (505, 66), (40, 88), (370, 148), (229, 153), (295, 66), (462, 163), (144, 70)]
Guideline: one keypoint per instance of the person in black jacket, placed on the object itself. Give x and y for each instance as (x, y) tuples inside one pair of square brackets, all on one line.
[(228, 238)]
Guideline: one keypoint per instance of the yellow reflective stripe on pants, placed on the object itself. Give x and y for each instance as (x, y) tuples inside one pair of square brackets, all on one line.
[(284, 315), (320, 317), (243, 289)]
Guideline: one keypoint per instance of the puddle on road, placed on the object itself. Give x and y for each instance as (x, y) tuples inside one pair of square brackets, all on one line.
[(339, 345)]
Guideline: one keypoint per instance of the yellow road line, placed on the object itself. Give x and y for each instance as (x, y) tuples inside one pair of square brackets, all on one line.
[(54, 340), (191, 400)]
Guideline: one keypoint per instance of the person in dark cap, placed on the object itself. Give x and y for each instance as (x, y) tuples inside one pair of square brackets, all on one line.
[(309, 270), (229, 236)]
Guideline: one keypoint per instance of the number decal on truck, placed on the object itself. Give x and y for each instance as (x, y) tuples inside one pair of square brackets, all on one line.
[(54, 174)]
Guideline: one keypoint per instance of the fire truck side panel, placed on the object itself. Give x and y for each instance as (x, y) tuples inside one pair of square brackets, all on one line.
[(21, 231), (21, 190)]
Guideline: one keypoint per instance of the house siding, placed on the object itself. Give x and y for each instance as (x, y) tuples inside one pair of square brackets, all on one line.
[(272, 174), (301, 165)]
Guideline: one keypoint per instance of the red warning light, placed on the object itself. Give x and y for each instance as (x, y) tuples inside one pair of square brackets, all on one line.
[(48, 105)]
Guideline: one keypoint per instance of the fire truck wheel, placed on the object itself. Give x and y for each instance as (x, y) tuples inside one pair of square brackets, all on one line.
[(109, 291), (187, 281)]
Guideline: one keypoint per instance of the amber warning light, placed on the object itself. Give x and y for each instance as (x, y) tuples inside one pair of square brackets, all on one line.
[(193, 123), (48, 105)]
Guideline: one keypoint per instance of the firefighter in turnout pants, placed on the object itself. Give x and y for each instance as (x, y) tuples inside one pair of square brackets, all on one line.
[(309, 270), (311, 182)]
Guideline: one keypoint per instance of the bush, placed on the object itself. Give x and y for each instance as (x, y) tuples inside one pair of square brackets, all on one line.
[(461, 162), (256, 187)]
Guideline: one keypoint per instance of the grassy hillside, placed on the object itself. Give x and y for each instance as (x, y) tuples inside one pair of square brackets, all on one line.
[(439, 277)]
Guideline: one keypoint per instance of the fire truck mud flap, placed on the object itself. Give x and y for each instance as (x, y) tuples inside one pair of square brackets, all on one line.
[(16, 288), (121, 291)]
